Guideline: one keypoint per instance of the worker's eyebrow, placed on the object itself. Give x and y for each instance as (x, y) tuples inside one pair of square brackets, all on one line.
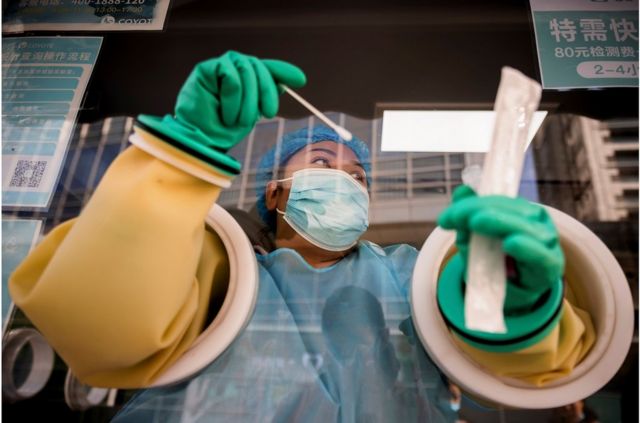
[(324, 150)]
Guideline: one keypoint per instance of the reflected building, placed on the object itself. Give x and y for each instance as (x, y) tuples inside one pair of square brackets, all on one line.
[(588, 168), (408, 189)]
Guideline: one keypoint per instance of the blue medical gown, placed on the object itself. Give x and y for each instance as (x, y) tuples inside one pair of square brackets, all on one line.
[(323, 345)]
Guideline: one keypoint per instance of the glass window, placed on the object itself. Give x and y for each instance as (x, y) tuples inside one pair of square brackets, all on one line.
[(385, 165), (330, 331), (428, 161), (408, 190)]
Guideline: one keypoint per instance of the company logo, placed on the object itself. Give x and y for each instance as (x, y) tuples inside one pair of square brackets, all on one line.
[(136, 21), (108, 19)]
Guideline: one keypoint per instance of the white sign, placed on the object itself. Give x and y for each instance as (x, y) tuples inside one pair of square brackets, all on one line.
[(443, 131)]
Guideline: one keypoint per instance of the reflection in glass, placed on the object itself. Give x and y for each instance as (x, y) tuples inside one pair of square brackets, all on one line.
[(586, 168)]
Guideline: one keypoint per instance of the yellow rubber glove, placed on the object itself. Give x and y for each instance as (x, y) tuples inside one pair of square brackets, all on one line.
[(122, 291), (553, 357)]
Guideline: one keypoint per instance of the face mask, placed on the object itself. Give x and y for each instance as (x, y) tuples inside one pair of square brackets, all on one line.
[(327, 207)]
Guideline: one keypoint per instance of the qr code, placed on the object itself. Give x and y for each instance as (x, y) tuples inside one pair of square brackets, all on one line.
[(28, 173)]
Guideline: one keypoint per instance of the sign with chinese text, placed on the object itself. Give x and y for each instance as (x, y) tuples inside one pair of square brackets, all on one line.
[(587, 43), (18, 238), (84, 15), (43, 83)]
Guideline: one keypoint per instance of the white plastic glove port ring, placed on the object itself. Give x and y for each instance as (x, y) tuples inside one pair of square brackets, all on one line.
[(237, 308), (39, 369), (606, 296)]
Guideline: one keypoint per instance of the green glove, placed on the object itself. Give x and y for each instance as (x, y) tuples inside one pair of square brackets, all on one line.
[(533, 301), (529, 238), (219, 104)]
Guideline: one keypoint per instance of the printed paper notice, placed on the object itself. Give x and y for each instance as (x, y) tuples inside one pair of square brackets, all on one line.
[(43, 83)]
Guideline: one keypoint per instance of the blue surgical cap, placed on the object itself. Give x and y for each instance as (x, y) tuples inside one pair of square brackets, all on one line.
[(291, 143)]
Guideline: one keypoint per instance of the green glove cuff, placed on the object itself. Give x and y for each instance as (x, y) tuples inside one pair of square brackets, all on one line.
[(523, 330), (188, 141)]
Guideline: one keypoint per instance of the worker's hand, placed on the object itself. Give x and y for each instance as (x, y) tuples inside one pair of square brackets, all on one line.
[(221, 101), (530, 240)]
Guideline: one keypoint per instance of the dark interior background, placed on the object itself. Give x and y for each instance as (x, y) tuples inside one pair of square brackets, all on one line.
[(355, 53)]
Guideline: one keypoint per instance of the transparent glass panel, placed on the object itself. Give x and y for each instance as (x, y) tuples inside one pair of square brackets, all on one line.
[(427, 161), (408, 191)]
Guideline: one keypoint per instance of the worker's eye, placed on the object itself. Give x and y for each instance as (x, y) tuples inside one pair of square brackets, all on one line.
[(358, 176), (320, 161)]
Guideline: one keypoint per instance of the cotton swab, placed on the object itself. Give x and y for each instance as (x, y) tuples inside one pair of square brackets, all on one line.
[(343, 133)]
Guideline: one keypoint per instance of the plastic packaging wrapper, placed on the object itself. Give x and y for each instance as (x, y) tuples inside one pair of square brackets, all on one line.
[(518, 97)]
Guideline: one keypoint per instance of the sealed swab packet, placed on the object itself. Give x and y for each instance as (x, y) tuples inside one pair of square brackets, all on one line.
[(517, 99)]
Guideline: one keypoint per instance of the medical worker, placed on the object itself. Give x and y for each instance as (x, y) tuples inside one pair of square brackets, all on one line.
[(124, 289)]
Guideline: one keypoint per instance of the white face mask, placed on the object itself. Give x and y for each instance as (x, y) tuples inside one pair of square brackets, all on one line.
[(327, 207)]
